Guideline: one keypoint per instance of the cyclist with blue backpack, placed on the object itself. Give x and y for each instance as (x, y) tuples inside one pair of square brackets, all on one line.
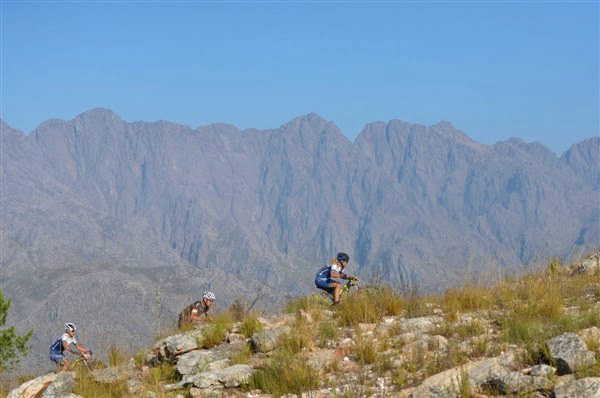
[(63, 344), (334, 269)]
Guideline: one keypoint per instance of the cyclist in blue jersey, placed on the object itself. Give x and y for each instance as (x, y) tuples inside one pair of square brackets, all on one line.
[(334, 269), (61, 345)]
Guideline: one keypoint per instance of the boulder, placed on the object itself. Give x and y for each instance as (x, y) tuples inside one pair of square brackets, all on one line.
[(560, 380), (267, 340), (570, 353), (591, 335), (201, 360), (406, 338), (542, 371), (486, 372), (114, 374), (232, 376), (384, 328), (134, 385), (590, 265), (33, 387), (235, 338), (165, 350), (516, 382), (60, 386), (419, 326), (588, 388)]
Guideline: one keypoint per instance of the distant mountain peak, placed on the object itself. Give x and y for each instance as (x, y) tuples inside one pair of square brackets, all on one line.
[(98, 113)]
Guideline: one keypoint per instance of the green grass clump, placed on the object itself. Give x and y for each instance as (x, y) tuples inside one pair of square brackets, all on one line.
[(364, 350), (242, 357), (326, 332), (305, 303), (139, 358), (369, 306), (116, 356), (87, 387), (251, 325), (285, 373), (216, 331), (469, 297)]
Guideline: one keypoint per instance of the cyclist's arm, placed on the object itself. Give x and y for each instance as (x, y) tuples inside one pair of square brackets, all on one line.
[(81, 348), (336, 274), (67, 348)]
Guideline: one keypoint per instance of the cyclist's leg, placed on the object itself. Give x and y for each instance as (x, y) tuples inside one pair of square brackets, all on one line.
[(337, 287), (327, 285)]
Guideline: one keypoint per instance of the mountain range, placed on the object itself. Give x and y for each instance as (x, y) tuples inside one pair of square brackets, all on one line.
[(115, 225)]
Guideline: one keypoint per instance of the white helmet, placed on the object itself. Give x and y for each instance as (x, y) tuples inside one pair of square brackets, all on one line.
[(208, 296), (69, 327)]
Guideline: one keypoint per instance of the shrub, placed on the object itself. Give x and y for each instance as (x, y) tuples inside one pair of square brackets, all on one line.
[(305, 303), (327, 331), (284, 374), (12, 346), (364, 350), (242, 357), (216, 331), (116, 355), (139, 358), (251, 325), (85, 386), (369, 306), (469, 297)]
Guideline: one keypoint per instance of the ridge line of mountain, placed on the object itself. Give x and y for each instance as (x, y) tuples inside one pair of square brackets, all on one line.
[(443, 127)]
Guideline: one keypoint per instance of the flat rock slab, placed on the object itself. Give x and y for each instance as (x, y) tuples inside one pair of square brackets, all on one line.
[(165, 349), (51, 385), (542, 370), (570, 353), (588, 388), (267, 340), (232, 376), (485, 372), (419, 326), (202, 360), (114, 374), (62, 385)]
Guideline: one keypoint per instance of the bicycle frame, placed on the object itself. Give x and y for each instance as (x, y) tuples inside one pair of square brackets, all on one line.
[(344, 291), (78, 361)]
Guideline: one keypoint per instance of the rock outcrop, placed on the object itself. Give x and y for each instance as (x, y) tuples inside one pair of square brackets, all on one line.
[(570, 353)]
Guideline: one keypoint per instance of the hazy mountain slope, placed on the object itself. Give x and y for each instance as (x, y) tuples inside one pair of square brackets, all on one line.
[(134, 219)]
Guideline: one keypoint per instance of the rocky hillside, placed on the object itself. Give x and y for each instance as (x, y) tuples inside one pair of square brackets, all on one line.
[(536, 336), (131, 221)]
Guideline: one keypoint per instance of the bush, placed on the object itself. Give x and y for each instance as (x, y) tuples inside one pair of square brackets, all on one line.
[(251, 325), (116, 356), (305, 303), (327, 331), (369, 306), (12, 346), (242, 357), (216, 331), (85, 386), (365, 351), (284, 374)]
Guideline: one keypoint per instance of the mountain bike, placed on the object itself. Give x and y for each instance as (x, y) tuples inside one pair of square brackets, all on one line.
[(351, 284), (83, 361)]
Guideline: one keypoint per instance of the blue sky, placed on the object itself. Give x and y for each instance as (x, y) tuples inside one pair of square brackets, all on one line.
[(495, 70)]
